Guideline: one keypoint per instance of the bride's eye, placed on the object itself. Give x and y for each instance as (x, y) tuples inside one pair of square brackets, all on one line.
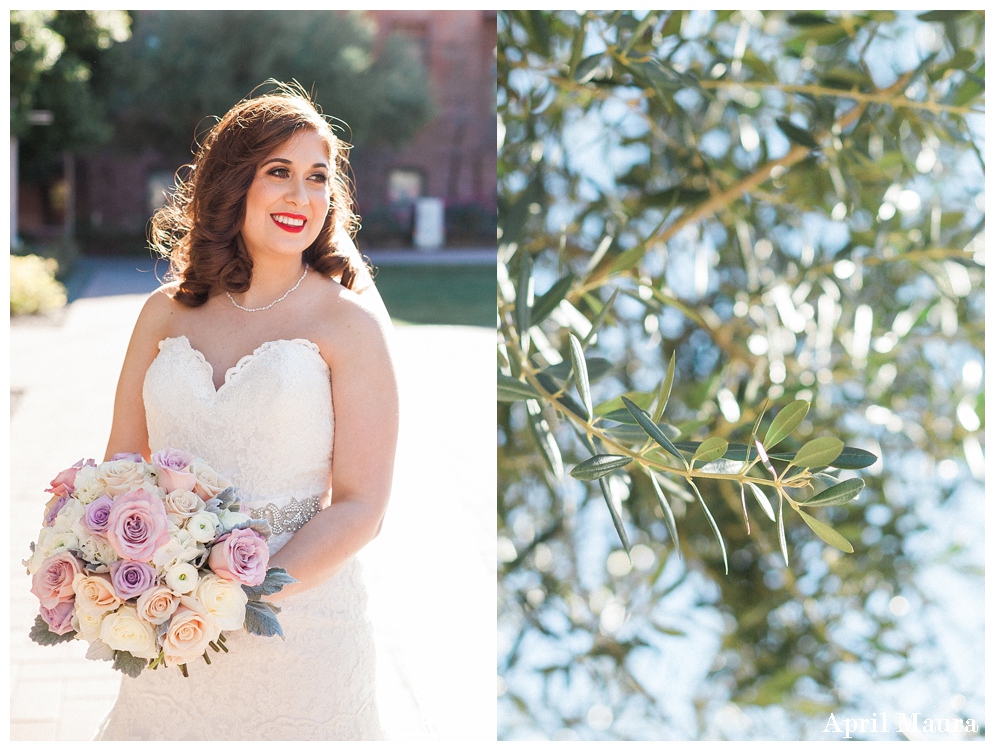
[(279, 172), (320, 177)]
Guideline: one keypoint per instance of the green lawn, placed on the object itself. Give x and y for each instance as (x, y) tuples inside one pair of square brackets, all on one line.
[(464, 295)]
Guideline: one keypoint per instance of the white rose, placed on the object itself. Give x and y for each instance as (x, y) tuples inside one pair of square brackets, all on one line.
[(203, 526), (182, 578), (125, 631), (224, 600), (182, 504), (87, 623), (231, 519), (122, 475), (209, 482)]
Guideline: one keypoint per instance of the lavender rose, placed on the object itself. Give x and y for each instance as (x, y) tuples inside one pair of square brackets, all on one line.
[(129, 456), (131, 578), (52, 584), (174, 469), (137, 525), (59, 618), (241, 555), (53, 507), (97, 514)]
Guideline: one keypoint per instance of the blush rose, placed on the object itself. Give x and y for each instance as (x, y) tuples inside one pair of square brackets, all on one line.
[(137, 525), (241, 555), (173, 466), (52, 583)]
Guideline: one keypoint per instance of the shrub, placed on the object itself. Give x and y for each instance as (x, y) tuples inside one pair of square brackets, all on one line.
[(33, 287)]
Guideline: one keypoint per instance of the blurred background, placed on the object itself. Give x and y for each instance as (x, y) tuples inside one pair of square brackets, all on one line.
[(105, 107), (792, 203)]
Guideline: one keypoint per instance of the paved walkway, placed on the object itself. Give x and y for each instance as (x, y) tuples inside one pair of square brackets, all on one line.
[(430, 572)]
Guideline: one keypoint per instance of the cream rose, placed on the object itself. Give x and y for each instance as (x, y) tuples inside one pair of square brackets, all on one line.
[(125, 631), (191, 629), (122, 475), (182, 504), (156, 605), (209, 482), (87, 623), (224, 600), (95, 593)]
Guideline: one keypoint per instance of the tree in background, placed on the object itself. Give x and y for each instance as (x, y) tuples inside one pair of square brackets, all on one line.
[(738, 210), (181, 68)]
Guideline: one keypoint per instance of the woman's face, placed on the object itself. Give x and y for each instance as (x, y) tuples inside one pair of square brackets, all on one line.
[(288, 199)]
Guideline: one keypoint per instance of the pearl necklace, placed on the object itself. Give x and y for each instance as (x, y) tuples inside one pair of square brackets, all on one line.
[(267, 307)]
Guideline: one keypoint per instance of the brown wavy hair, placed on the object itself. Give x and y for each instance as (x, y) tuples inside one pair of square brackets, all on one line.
[(199, 228)]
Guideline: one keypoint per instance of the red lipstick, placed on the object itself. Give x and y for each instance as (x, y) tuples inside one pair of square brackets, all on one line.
[(289, 222)]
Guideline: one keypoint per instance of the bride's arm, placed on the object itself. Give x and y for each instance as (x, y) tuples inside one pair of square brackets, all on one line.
[(365, 403), (129, 433)]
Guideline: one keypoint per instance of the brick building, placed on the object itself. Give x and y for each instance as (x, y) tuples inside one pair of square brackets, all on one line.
[(453, 157)]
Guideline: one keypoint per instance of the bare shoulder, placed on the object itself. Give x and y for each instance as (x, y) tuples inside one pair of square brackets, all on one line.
[(159, 314), (350, 322)]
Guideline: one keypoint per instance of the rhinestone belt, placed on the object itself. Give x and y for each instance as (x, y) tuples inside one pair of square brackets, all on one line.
[(289, 517)]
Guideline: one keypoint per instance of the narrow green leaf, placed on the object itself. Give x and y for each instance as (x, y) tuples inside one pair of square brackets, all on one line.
[(712, 524), (546, 303), (780, 527), (597, 367), (853, 458), (587, 67), (836, 495), (819, 452), (628, 259), (640, 398), (746, 513), (827, 533), (512, 390), (599, 466), (664, 394), (796, 134), (580, 374), (762, 500), (785, 423), (654, 432), (539, 429), (630, 432), (668, 514), (563, 399), (600, 318), (524, 298), (711, 449), (606, 491)]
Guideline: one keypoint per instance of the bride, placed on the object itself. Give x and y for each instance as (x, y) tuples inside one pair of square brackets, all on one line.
[(267, 357)]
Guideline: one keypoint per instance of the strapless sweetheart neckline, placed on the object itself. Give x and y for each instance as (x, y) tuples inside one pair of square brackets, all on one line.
[(242, 361)]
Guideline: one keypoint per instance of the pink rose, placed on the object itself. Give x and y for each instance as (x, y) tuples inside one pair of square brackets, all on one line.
[(190, 631), (173, 466), (137, 525), (59, 618), (52, 584), (63, 484), (241, 555)]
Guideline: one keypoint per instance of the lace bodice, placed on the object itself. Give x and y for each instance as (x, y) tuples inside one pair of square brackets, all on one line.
[(268, 428)]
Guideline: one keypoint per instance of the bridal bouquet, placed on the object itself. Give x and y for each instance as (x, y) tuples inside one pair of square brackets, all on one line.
[(150, 563)]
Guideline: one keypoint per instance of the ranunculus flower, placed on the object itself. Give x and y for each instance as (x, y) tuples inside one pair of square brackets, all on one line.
[(122, 475), (190, 631), (182, 578), (53, 507), (131, 578), (183, 504), (95, 593), (64, 482), (59, 618), (130, 456), (173, 466), (52, 584), (203, 526), (97, 514), (209, 482), (229, 519), (124, 630), (241, 555), (137, 525), (225, 600), (157, 604)]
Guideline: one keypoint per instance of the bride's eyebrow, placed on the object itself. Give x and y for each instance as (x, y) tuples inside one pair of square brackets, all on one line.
[(281, 160)]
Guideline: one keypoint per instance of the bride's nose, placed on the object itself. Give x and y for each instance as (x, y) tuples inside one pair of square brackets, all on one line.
[(296, 193)]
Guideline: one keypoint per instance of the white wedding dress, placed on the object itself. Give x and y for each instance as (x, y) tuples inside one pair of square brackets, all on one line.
[(268, 429)]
